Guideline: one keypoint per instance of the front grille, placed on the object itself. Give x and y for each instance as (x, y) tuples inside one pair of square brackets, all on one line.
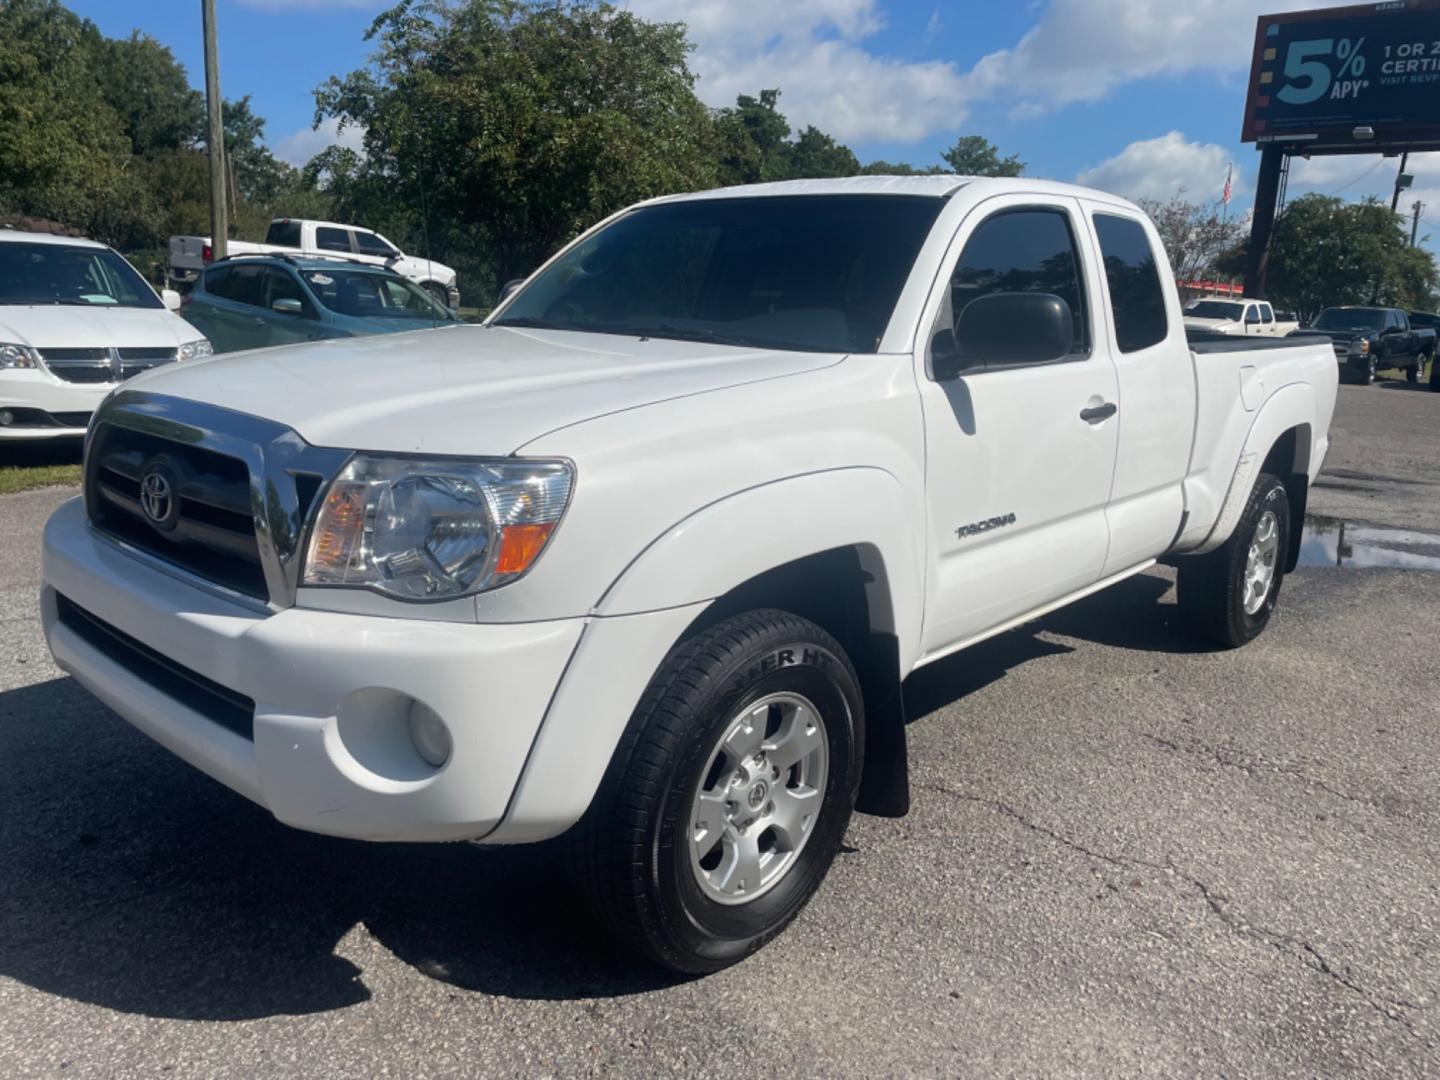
[(39, 418), (99, 365), (219, 704), (213, 533)]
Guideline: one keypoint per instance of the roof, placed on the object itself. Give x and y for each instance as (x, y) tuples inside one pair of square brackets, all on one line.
[(10, 235), (305, 262), (935, 185)]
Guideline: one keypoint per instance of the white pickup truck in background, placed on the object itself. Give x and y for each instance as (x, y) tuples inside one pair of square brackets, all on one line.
[(287, 236), (643, 562), (1220, 315)]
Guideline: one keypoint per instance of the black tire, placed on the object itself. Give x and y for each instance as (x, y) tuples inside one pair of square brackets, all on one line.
[(439, 292), (1212, 587), (1367, 375), (1416, 370), (631, 851)]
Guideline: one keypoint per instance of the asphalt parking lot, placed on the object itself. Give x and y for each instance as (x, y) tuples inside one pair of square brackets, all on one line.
[(1127, 855)]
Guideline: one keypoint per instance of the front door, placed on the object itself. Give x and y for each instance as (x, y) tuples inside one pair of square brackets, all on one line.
[(1017, 479)]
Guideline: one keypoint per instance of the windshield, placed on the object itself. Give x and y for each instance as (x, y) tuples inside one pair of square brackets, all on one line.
[(818, 273), (1350, 319), (366, 294), (1215, 309), (61, 274)]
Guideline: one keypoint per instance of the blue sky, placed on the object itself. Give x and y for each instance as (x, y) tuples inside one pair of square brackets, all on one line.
[(1142, 97)]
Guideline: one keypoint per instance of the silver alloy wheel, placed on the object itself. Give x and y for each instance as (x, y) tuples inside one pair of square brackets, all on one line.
[(759, 798), (1260, 561)]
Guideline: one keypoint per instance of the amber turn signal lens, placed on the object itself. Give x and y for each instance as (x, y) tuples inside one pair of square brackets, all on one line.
[(520, 545)]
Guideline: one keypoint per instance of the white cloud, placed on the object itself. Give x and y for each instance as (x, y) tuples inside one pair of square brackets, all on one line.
[(299, 147), (1166, 166), (1081, 50), (813, 51)]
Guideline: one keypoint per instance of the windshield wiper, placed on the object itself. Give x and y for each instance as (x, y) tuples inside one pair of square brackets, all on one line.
[(685, 333), (530, 323)]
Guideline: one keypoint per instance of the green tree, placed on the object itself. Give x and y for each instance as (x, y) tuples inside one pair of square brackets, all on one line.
[(62, 151), (975, 155), (500, 128), (753, 139), (1326, 252), (145, 85)]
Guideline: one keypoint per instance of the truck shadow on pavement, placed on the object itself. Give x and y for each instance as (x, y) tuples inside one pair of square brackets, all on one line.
[(130, 881)]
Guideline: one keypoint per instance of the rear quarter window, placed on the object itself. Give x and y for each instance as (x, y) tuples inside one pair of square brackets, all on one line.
[(1137, 296)]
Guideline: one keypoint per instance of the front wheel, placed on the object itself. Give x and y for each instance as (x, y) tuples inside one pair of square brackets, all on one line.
[(729, 795), (1230, 593), (438, 292), (1368, 373), (1416, 370)]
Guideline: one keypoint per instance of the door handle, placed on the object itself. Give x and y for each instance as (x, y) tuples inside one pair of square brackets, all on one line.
[(1098, 413)]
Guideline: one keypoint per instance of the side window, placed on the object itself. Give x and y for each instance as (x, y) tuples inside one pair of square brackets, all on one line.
[(331, 239), (217, 281), (1252, 314), (283, 234), (370, 244), (243, 284), (1023, 251), (1267, 314), (1137, 297), (283, 286)]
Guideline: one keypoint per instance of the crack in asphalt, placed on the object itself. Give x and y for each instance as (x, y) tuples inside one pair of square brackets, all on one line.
[(1218, 904), (1256, 765)]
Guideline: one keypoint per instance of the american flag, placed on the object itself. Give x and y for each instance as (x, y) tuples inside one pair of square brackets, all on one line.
[(1225, 195)]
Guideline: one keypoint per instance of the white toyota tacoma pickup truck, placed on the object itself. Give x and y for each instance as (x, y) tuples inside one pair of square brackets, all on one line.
[(645, 560)]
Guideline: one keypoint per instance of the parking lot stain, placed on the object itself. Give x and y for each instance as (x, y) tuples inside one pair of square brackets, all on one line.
[(1332, 542)]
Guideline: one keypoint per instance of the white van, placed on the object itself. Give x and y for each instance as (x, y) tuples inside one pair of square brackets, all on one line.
[(75, 319)]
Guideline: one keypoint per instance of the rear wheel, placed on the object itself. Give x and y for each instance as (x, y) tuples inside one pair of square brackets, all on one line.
[(1230, 593), (729, 795)]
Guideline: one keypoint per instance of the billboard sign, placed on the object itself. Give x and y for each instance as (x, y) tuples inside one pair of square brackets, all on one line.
[(1317, 76)]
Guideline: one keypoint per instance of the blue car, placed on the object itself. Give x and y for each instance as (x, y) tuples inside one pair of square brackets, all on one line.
[(256, 301)]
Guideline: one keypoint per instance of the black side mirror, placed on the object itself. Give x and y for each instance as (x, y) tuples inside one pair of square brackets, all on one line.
[(510, 287), (1014, 329), (945, 363)]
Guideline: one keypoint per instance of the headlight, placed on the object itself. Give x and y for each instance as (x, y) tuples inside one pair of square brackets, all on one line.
[(18, 356), (195, 350), (432, 530), (1362, 346)]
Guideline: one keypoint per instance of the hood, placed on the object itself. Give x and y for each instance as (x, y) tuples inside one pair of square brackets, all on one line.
[(57, 326), (474, 390), (1356, 333), (1197, 323)]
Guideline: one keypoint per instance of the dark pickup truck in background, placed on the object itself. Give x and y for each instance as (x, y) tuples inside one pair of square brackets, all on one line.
[(1370, 339), (1428, 320)]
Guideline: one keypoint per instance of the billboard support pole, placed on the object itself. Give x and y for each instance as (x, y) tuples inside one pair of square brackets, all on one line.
[(1262, 222)]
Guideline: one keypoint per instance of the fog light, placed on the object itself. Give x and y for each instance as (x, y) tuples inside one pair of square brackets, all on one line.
[(429, 734), (6, 417)]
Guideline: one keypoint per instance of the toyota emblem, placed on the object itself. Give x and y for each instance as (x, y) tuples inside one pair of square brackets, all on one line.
[(158, 497)]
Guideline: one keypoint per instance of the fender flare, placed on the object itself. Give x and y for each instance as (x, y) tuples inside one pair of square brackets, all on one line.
[(698, 558), (672, 581), (1292, 406)]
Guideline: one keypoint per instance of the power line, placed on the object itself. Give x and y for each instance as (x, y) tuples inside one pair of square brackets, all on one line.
[(1357, 179)]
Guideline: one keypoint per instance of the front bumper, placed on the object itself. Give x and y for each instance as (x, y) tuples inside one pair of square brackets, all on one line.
[(330, 750), (26, 393)]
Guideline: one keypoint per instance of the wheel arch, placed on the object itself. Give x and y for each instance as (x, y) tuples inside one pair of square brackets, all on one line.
[(1280, 442), (834, 547)]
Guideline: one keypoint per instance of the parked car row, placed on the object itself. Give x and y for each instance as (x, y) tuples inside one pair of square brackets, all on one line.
[(189, 255), (76, 319), (1244, 316)]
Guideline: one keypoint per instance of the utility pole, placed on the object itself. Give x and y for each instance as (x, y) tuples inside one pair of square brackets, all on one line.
[(1415, 221), (219, 218), (1395, 198)]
